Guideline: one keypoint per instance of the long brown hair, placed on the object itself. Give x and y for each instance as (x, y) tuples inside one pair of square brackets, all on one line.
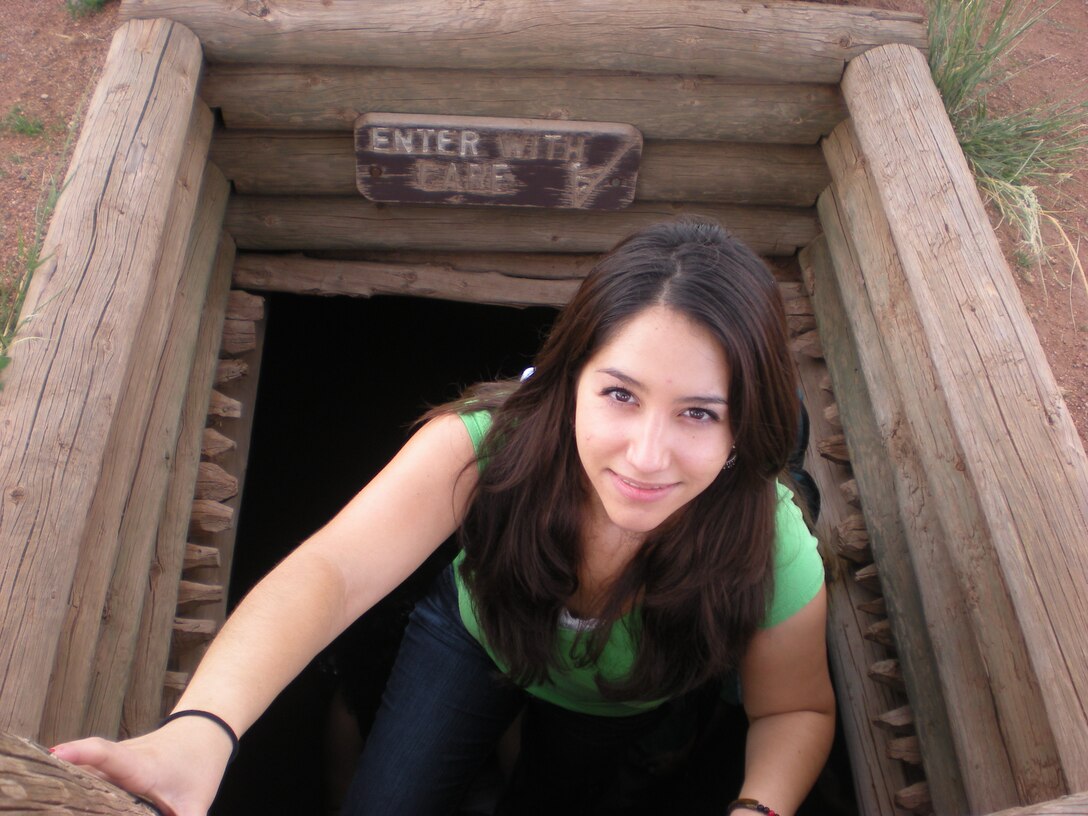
[(701, 581)]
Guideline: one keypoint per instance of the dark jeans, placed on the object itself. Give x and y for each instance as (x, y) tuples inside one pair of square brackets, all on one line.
[(446, 706)]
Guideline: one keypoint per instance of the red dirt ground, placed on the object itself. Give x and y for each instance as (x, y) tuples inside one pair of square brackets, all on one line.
[(49, 62)]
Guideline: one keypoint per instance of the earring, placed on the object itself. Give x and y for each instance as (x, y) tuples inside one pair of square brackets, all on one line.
[(732, 460)]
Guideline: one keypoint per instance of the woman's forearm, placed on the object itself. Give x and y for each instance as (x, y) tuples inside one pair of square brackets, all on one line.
[(293, 613), (784, 755)]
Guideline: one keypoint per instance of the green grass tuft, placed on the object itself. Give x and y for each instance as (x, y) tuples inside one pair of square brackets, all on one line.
[(1013, 154), (81, 8), (15, 121)]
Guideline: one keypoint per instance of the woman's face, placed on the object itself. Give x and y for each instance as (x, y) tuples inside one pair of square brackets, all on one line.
[(651, 420)]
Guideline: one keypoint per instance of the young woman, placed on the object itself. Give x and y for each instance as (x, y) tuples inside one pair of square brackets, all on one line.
[(627, 550)]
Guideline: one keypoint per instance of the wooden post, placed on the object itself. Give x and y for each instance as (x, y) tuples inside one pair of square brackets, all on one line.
[(143, 701), (69, 372), (117, 638), (104, 541), (794, 42), (979, 419), (330, 222), (861, 393)]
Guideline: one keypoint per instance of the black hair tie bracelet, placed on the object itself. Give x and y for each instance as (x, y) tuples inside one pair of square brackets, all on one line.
[(750, 804), (215, 718)]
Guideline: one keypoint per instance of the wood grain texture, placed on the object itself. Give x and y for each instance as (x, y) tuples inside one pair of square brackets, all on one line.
[(876, 777), (127, 496), (767, 41), (301, 223), (942, 665), (299, 274), (63, 387), (1074, 805), (265, 162), (143, 701), (32, 781), (661, 107), (1006, 468), (116, 649)]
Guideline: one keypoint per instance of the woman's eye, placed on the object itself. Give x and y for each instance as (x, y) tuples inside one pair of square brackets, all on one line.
[(702, 414), (619, 395)]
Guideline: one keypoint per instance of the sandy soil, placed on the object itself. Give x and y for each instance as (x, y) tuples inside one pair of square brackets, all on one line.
[(49, 62)]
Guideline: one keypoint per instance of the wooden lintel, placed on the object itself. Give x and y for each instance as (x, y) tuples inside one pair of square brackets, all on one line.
[(788, 42)]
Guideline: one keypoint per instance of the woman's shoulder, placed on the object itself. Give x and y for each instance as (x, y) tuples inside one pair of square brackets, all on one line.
[(477, 423)]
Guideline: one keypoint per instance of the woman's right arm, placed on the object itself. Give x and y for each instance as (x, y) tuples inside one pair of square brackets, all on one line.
[(371, 545)]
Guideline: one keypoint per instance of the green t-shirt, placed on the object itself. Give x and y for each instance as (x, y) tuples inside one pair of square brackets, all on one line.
[(798, 575)]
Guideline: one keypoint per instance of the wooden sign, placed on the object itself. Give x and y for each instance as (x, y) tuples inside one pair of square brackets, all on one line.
[(422, 159)]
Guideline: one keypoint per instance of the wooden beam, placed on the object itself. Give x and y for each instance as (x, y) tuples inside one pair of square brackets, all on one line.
[(302, 275), (62, 388), (876, 777), (33, 781), (326, 222), (1074, 805), (1002, 462), (326, 98), (266, 162), (862, 392), (117, 637), (143, 701), (784, 41)]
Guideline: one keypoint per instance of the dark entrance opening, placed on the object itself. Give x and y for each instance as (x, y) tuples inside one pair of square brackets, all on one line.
[(341, 382)]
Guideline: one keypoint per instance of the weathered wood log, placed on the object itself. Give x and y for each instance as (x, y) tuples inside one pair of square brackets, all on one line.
[(230, 370), (792, 42), (831, 414), (33, 781), (212, 482), (143, 702), (197, 555), (532, 265), (327, 222), (264, 162), (876, 776), (834, 449), (849, 488), (800, 324), (876, 606), (210, 517), (897, 721), (220, 405), (852, 539), (889, 673), (869, 577), (862, 397), (263, 222), (328, 98), (302, 275), (176, 681), (1075, 805), (1000, 458), (244, 306), (191, 631), (62, 390), (195, 592), (117, 638), (808, 344), (905, 749), (239, 336), (881, 632), (244, 392), (915, 798), (213, 443)]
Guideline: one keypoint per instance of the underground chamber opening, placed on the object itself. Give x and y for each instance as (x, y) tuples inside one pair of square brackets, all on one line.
[(341, 382)]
